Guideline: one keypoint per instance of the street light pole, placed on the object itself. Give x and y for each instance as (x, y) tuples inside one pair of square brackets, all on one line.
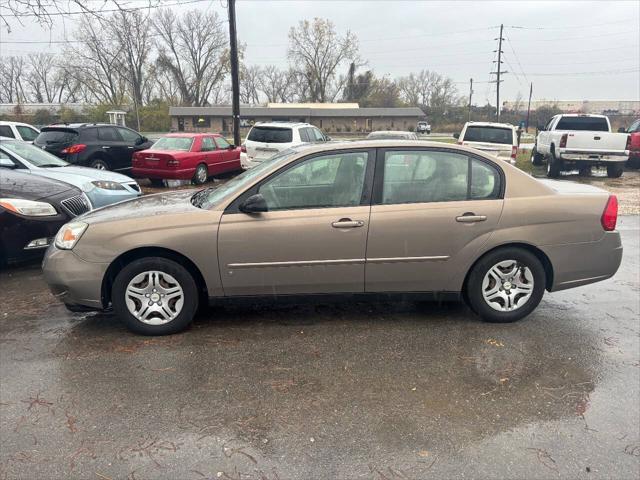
[(235, 85)]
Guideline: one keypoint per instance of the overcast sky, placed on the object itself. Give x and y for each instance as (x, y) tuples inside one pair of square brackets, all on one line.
[(569, 50)]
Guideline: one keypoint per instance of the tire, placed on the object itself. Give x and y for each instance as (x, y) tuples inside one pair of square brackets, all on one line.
[(537, 159), (99, 164), (615, 170), (201, 174), (523, 275), (156, 182), (554, 167), (633, 162), (159, 317)]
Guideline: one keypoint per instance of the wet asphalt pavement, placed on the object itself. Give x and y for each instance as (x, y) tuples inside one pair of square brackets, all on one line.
[(375, 391)]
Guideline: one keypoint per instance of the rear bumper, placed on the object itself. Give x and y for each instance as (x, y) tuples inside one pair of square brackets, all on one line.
[(583, 263), (161, 174), (247, 162), (594, 157), (72, 280)]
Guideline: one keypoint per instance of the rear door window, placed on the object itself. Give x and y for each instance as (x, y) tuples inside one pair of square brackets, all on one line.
[(5, 131), (592, 124), (304, 135), (109, 134), (207, 144), (270, 135), (489, 135)]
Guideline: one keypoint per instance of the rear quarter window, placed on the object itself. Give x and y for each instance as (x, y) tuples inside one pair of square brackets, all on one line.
[(270, 135)]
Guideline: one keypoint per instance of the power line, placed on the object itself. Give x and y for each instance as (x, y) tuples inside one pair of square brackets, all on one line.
[(568, 27), (600, 72), (113, 10)]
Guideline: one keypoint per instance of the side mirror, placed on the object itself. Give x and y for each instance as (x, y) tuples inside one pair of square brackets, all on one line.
[(141, 140), (456, 135), (622, 130), (231, 146), (254, 204)]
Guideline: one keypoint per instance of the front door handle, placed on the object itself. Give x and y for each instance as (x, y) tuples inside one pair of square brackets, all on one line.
[(347, 223), (105, 146), (470, 217)]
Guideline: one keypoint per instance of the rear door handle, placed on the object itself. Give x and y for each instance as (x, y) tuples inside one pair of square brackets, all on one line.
[(470, 217), (130, 148), (347, 223), (105, 146)]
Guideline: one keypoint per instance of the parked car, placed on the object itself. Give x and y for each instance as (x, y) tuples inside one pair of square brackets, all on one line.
[(101, 187), (19, 131), (187, 156), (391, 135), (266, 139), (499, 139), (570, 141), (32, 210), (430, 220), (423, 127), (95, 145), (634, 144)]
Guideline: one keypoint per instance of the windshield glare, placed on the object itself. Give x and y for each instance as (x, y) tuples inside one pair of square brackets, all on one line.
[(182, 144), (34, 155), (209, 197)]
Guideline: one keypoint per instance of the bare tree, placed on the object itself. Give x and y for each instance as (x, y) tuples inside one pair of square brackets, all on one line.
[(276, 84), (315, 53), (193, 50), (11, 83), (250, 83), (47, 81)]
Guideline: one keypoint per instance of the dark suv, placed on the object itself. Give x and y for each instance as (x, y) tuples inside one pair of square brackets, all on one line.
[(97, 145)]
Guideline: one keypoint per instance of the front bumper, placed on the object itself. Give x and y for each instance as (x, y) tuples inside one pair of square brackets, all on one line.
[(583, 263), (72, 280)]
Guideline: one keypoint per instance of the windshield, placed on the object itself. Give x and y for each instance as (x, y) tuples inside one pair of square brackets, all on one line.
[(210, 196), (182, 144), (270, 135), (489, 135), (34, 155)]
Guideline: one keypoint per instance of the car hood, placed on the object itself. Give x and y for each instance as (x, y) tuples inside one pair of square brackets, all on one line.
[(148, 206), (80, 176), (15, 184)]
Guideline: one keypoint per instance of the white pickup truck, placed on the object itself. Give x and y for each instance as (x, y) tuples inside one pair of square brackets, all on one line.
[(571, 141)]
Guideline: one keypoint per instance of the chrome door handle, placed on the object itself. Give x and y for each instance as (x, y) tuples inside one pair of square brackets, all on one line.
[(130, 148), (347, 223), (105, 146), (470, 217)]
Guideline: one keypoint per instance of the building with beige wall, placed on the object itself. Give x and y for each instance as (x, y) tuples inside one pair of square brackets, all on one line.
[(334, 118)]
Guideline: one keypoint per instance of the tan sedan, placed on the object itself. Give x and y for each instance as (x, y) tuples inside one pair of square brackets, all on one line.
[(365, 219)]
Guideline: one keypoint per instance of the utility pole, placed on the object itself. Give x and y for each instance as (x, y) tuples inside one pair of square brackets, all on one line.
[(529, 107), (235, 86), (499, 72), (470, 95)]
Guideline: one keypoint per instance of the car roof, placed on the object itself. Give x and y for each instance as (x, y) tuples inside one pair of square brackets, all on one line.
[(80, 125), (191, 134), (392, 132), (581, 115), (5, 122), (282, 124), (490, 124)]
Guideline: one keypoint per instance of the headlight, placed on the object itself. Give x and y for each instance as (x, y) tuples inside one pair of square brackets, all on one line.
[(28, 208), (69, 235), (107, 185)]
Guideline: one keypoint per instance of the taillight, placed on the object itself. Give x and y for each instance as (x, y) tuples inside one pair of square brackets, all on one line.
[(173, 163), (243, 148), (514, 152), (628, 147), (610, 214), (74, 149), (563, 141)]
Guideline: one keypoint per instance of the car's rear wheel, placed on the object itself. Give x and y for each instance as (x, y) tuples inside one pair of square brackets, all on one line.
[(536, 158), (615, 170), (155, 296), (201, 174), (506, 285), (99, 164), (554, 167)]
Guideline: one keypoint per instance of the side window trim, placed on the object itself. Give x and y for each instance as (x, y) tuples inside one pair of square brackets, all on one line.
[(367, 189), (378, 180)]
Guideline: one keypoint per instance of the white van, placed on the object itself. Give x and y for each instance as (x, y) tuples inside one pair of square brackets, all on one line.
[(498, 139), (19, 131)]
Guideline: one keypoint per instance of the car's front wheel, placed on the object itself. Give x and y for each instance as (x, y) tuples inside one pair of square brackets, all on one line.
[(506, 285), (99, 164), (155, 296)]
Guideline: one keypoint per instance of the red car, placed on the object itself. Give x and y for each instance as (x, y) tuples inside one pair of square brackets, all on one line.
[(634, 147), (186, 156)]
